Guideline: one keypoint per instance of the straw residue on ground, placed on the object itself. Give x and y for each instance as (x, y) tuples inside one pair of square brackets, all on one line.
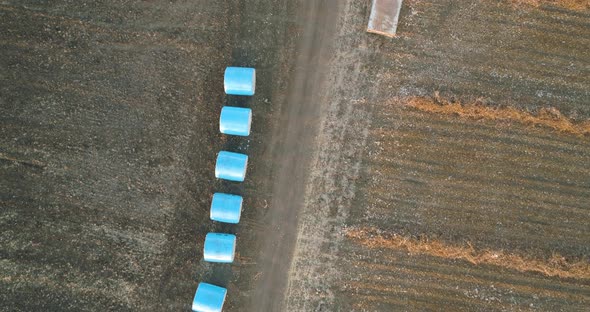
[(568, 4), (555, 266), (547, 117)]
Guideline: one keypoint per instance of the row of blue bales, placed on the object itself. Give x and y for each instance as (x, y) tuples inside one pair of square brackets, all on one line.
[(220, 247)]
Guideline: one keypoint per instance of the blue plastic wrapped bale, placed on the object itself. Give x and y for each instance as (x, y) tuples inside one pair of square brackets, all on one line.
[(235, 120), (209, 298), (226, 208), (239, 80), (219, 247), (231, 166)]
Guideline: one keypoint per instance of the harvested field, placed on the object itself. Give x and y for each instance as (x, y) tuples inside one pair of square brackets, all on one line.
[(473, 132), (458, 151), (109, 136)]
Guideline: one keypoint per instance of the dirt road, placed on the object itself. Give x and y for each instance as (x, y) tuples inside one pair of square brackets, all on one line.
[(293, 146)]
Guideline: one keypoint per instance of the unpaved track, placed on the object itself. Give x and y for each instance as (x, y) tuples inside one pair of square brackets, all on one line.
[(294, 145)]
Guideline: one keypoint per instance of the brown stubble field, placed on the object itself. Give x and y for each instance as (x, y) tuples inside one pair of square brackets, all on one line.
[(472, 182), (109, 136)]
